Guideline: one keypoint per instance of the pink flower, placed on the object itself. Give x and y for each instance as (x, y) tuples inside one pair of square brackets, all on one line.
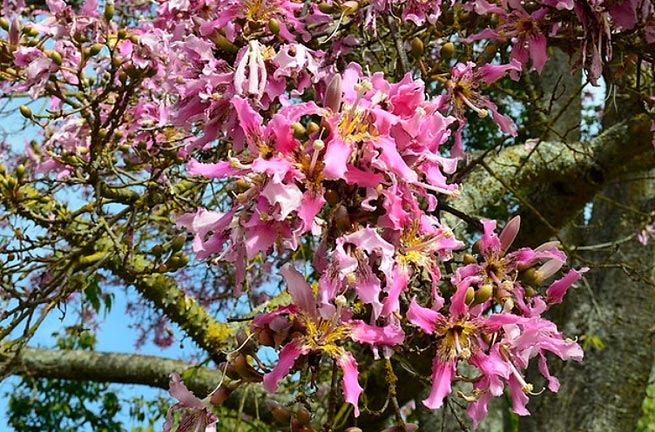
[(198, 415), (314, 333), (463, 91)]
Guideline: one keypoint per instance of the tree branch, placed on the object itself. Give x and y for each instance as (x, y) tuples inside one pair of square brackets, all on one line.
[(557, 178), (128, 369)]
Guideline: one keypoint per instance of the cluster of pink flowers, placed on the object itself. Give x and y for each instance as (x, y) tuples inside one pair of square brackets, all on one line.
[(358, 173), (363, 173)]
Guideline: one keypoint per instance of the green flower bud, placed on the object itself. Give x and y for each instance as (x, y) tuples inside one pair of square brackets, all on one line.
[(274, 26), (109, 11), (326, 8)]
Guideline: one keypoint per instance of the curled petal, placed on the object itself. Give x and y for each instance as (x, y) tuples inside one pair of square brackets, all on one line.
[(299, 289), (288, 356), (351, 387), (557, 289), (442, 377), (387, 335), (179, 391), (425, 318)]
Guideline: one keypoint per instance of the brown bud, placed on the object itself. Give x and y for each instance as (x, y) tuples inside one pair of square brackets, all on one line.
[(447, 50), (247, 346), (264, 336), (4, 24), (25, 111), (417, 47), (280, 413), (220, 395), (303, 416), (469, 259), (342, 218), (331, 196)]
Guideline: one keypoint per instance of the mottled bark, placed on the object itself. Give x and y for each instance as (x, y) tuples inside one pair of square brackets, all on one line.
[(614, 309), (559, 102), (552, 180)]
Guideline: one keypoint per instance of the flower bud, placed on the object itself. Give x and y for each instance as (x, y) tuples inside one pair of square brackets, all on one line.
[(247, 346), (109, 11), (417, 47), (509, 233), (220, 395), (331, 196), (303, 416), (25, 111), (333, 93), (469, 259), (342, 218), (274, 26), (4, 24), (95, 49), (280, 413), (447, 50), (178, 242), (349, 7), (470, 295), (326, 8), (243, 368), (483, 293), (20, 172)]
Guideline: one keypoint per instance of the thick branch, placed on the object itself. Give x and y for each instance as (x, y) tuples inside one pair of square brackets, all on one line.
[(128, 369), (161, 290), (557, 178)]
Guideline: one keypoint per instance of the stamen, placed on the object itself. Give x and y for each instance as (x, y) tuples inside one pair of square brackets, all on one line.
[(453, 193), (424, 244), (318, 145), (482, 113), (525, 386)]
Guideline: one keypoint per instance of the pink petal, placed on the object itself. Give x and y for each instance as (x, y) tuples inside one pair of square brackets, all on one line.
[(351, 387), (287, 358), (442, 376), (299, 289), (425, 318), (179, 391), (509, 233), (287, 196), (519, 398), (556, 291), (336, 159), (374, 335)]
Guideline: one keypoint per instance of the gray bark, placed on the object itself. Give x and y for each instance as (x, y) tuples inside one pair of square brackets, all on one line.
[(606, 390)]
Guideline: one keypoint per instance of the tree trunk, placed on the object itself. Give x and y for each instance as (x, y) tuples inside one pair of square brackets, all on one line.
[(612, 314)]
